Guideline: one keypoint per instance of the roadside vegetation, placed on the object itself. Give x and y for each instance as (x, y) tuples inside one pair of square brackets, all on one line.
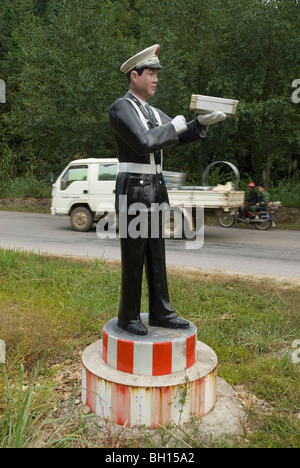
[(33, 195), (52, 308), (25, 187), (287, 191), (204, 50)]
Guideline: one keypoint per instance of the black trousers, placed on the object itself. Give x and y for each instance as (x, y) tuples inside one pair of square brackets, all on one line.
[(135, 253)]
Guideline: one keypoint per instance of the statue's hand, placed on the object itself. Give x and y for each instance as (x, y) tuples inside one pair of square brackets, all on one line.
[(179, 123), (208, 119)]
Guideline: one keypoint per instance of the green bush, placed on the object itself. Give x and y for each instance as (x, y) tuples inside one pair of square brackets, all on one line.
[(287, 191), (27, 186)]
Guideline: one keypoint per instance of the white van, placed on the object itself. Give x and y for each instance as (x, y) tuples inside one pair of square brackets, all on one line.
[(82, 186), (86, 189)]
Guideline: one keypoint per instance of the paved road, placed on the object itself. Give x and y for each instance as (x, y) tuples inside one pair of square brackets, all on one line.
[(243, 251)]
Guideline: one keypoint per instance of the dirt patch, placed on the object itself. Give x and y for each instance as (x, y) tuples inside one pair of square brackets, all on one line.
[(39, 205), (286, 215)]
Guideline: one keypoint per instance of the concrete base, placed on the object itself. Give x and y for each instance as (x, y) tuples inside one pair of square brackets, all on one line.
[(226, 419), (133, 400)]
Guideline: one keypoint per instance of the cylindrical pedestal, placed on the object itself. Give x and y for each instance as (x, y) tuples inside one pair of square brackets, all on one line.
[(149, 380), (163, 351)]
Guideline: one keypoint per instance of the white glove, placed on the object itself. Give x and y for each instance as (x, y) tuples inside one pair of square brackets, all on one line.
[(179, 123), (208, 119)]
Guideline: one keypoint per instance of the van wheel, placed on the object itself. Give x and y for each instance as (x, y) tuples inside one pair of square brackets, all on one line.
[(81, 219)]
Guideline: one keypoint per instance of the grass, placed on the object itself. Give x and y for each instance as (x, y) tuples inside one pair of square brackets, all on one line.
[(287, 191), (52, 307), (27, 421), (27, 186)]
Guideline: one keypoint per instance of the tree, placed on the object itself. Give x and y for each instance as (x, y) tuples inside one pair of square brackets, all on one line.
[(68, 80), (247, 50), (63, 58), (11, 15)]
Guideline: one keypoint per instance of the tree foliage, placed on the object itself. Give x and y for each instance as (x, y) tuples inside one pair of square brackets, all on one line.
[(61, 58)]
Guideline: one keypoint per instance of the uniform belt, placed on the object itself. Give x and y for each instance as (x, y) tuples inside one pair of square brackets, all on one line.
[(137, 168)]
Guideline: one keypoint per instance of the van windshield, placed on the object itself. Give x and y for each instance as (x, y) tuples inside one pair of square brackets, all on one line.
[(73, 174)]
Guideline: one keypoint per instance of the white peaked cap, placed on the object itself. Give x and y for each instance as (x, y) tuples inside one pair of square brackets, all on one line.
[(146, 58)]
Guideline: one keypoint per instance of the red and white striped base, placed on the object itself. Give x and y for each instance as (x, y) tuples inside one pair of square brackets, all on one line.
[(160, 353), (128, 398)]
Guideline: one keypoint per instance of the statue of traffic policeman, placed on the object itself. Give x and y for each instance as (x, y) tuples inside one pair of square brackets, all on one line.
[(140, 134)]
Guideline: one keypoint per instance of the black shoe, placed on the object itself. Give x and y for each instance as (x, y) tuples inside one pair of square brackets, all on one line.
[(174, 322), (135, 328)]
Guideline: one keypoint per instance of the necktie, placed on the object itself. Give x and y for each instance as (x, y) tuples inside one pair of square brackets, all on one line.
[(153, 123), (151, 116)]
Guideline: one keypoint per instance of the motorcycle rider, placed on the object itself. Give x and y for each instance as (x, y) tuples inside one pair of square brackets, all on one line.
[(263, 200), (250, 200)]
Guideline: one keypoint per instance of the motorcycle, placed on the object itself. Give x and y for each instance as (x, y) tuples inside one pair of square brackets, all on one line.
[(263, 220)]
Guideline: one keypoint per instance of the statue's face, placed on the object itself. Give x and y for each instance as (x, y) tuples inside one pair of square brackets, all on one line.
[(144, 85)]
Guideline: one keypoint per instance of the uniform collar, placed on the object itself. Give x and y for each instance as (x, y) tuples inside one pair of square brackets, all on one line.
[(135, 98)]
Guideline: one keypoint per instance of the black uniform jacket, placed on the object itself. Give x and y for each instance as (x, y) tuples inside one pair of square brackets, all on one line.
[(252, 198), (134, 143)]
